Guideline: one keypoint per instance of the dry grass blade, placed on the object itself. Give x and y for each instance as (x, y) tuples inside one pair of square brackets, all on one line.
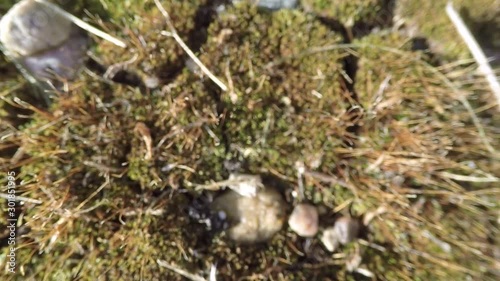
[(175, 35), (475, 49), (180, 271), (433, 69), (468, 178), (20, 198)]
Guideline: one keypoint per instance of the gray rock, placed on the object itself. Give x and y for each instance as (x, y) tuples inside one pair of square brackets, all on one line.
[(30, 27), (64, 60), (42, 42)]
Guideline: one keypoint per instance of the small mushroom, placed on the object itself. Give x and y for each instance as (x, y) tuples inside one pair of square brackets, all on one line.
[(345, 230), (304, 220)]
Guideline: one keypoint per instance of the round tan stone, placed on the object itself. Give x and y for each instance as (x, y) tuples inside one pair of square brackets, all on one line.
[(253, 219), (304, 220)]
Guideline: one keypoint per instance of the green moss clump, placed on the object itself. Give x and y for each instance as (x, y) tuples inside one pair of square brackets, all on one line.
[(279, 98)]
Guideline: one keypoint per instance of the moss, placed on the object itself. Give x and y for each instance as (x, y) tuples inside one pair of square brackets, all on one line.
[(428, 18), (109, 212), (348, 12), (116, 249), (78, 8), (265, 94), (5, 6)]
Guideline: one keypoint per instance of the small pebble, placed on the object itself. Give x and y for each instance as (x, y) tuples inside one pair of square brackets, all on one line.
[(304, 220), (151, 82), (345, 230), (273, 4)]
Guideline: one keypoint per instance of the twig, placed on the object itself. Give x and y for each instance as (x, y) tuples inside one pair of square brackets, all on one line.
[(83, 25), (475, 50), (20, 198), (299, 165), (369, 216), (468, 178), (173, 33), (179, 270), (143, 131), (94, 193), (246, 185), (332, 180), (213, 273), (149, 212), (102, 168), (326, 178)]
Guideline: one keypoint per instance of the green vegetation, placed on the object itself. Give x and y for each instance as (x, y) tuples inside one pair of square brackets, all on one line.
[(375, 123), (348, 12), (428, 19)]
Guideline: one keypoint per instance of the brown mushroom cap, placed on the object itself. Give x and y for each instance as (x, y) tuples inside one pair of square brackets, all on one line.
[(304, 220)]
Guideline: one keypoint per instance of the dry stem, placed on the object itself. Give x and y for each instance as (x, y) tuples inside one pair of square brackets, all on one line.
[(173, 33), (475, 50), (179, 270)]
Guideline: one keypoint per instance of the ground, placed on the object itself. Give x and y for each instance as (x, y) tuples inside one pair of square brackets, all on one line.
[(379, 101)]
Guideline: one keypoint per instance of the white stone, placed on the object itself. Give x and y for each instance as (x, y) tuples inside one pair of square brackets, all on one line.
[(329, 239), (246, 185), (345, 230)]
